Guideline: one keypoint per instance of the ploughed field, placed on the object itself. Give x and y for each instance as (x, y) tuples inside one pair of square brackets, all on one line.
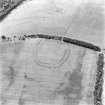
[(48, 72)]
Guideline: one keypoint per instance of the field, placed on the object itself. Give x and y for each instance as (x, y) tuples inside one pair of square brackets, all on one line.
[(40, 73)]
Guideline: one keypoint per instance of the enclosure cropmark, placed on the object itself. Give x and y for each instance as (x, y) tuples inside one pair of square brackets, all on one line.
[(56, 64)]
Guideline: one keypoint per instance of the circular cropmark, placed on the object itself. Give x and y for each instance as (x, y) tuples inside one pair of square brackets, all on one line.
[(51, 54)]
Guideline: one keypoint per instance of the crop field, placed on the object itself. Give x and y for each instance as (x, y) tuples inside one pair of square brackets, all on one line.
[(48, 72)]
